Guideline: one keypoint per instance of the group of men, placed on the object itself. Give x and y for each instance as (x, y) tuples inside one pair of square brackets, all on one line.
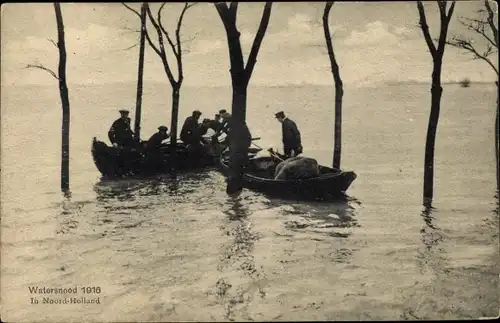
[(238, 135)]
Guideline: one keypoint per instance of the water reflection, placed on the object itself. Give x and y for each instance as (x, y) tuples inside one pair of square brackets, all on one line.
[(316, 216), (239, 253), (431, 257)]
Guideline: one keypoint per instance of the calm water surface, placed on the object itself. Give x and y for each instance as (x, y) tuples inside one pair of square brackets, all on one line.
[(179, 249)]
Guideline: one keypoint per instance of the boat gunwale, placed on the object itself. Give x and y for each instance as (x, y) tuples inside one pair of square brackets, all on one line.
[(322, 178)]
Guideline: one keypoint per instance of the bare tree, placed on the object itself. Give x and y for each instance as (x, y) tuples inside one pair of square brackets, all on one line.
[(484, 26), (63, 93), (339, 87), (436, 89), (140, 73), (176, 47), (241, 73)]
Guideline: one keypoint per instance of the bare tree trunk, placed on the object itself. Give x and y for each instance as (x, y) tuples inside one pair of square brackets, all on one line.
[(175, 114), (339, 88), (241, 74), (497, 143), (436, 92), (437, 54), (240, 78), (138, 106), (63, 91), (239, 102)]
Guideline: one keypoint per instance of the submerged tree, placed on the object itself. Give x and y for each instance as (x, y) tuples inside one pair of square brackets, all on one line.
[(63, 93), (240, 78), (140, 74), (241, 73), (176, 47), (486, 27), (436, 89), (339, 88)]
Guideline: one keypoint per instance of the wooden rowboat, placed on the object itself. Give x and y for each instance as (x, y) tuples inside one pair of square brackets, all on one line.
[(259, 176), (118, 162)]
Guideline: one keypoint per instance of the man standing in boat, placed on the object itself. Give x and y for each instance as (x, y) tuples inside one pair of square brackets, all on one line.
[(240, 139), (190, 129), (224, 127), (292, 143), (120, 133)]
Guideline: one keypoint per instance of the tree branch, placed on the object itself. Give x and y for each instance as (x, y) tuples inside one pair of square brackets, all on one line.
[(259, 36), (39, 66), (170, 42), (132, 9), (162, 52), (150, 42), (233, 9), (178, 40), (425, 29), (491, 21), (445, 22), (467, 45), (477, 26), (224, 13), (53, 42)]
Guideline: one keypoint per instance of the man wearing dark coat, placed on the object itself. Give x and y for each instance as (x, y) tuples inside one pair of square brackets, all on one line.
[(292, 143), (120, 133), (224, 126), (190, 133), (240, 139), (153, 145)]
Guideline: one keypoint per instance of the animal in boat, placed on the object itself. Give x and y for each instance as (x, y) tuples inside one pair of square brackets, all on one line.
[(297, 168)]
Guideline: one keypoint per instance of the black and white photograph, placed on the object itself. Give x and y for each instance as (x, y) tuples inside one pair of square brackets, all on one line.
[(249, 161)]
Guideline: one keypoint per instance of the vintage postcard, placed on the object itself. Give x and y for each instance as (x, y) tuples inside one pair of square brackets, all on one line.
[(262, 161)]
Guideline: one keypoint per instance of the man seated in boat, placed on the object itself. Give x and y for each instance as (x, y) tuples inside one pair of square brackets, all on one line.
[(120, 134), (292, 143), (239, 139), (153, 151), (155, 141)]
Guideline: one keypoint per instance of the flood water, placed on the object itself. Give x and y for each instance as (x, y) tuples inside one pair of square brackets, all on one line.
[(170, 249)]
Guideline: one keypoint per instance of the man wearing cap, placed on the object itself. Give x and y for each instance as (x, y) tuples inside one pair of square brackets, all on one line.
[(153, 145), (240, 139), (190, 133), (292, 144), (120, 133)]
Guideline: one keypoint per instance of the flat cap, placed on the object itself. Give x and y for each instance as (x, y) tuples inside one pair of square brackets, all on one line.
[(162, 128), (280, 114)]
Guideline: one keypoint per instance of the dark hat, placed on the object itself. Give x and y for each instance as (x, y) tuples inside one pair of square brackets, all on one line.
[(226, 115), (197, 112), (222, 111), (162, 128), (123, 111), (280, 114), (217, 115)]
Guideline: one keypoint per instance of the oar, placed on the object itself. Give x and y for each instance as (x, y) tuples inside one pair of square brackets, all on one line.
[(278, 157)]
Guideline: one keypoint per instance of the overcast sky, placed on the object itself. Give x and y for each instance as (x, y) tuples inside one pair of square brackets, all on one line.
[(374, 42)]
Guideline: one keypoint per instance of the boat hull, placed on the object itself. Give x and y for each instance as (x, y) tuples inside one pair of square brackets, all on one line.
[(119, 162), (330, 183)]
